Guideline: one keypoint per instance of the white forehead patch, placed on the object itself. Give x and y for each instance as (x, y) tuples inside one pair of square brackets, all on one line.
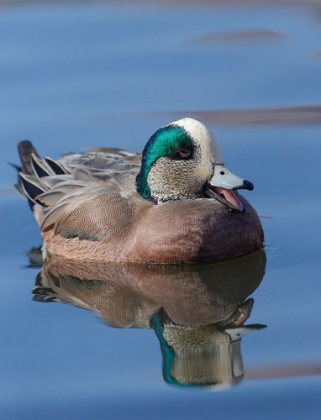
[(202, 136)]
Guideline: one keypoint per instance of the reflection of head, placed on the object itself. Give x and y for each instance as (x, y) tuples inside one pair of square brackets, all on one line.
[(209, 364), (200, 355)]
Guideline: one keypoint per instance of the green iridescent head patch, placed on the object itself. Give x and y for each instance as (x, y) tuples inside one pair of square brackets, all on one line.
[(166, 142)]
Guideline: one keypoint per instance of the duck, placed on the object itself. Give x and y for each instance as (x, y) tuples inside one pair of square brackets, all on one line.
[(176, 202)]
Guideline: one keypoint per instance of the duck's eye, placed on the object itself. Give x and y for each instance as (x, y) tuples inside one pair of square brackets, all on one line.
[(184, 152)]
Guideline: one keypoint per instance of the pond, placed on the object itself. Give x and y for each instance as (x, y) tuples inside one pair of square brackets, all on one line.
[(81, 341)]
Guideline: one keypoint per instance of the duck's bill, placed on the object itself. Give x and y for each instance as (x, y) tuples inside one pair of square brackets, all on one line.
[(221, 187)]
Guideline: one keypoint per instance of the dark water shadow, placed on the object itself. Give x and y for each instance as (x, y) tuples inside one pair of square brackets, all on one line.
[(313, 5), (301, 115), (249, 36), (281, 116)]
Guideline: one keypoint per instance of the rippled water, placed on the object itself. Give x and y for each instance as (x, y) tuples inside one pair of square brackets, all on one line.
[(97, 74)]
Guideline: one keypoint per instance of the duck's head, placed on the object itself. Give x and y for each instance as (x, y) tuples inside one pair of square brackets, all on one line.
[(183, 161)]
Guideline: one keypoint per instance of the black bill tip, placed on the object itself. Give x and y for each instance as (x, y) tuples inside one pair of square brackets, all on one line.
[(247, 185)]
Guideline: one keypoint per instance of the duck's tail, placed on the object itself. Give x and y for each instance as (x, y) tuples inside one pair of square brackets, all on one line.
[(33, 169)]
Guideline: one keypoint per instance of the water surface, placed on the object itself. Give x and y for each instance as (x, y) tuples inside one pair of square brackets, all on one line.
[(99, 74)]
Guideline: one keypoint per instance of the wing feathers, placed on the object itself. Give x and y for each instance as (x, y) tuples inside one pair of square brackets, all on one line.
[(83, 196)]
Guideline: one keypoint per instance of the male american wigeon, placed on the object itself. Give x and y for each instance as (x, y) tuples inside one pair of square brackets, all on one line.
[(174, 203)]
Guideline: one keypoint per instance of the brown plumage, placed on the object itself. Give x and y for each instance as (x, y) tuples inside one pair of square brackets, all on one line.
[(178, 206)]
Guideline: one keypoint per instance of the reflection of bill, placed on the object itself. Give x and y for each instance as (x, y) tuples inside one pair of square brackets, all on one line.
[(197, 312)]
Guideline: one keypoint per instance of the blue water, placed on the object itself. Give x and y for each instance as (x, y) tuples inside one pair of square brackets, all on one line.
[(98, 74)]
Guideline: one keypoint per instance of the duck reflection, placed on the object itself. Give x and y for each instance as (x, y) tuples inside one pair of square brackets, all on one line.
[(197, 312)]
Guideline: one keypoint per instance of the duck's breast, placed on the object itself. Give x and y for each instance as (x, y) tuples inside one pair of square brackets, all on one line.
[(192, 231)]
